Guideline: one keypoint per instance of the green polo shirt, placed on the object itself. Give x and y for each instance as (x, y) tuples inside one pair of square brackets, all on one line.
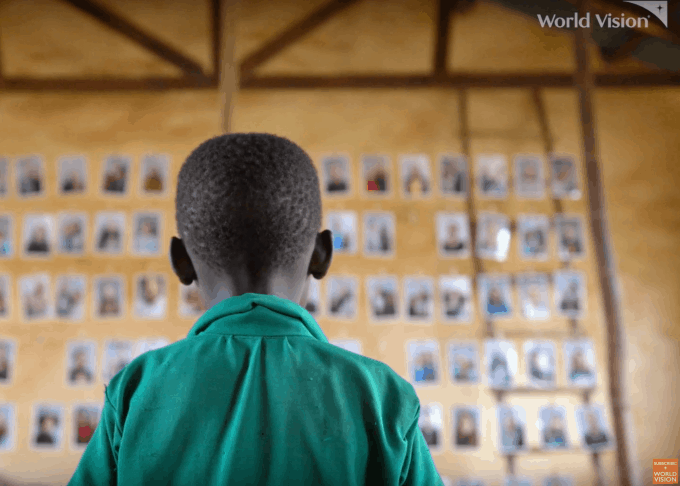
[(257, 396)]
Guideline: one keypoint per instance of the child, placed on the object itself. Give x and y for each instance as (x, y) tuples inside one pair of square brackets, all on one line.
[(255, 394)]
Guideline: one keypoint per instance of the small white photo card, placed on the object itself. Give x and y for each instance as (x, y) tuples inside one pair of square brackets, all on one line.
[(570, 294), (70, 297), (423, 362), (552, 427), (467, 428), (529, 176), (534, 296), (191, 303), (453, 175), (383, 298), (47, 427), (343, 225), (377, 175), (570, 237), (541, 366), (84, 421), (533, 232), (492, 176), (6, 236), (313, 302), (558, 481), (431, 424), (455, 294), (109, 296), (7, 360), (8, 427), (4, 177), (512, 427), (81, 363), (154, 174), (36, 296), (419, 299), (151, 300), (501, 364), (379, 235), (337, 175), (453, 235), (30, 174), (464, 363), (593, 428), (493, 236), (342, 296), (415, 175), (146, 233), (116, 175), (72, 233), (579, 360), (469, 482), (118, 353), (109, 233), (72, 175), (352, 345), (518, 481), (5, 297), (495, 294), (565, 180), (38, 235), (150, 344)]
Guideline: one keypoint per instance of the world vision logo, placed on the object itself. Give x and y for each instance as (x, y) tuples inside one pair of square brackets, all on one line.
[(658, 9), (665, 470)]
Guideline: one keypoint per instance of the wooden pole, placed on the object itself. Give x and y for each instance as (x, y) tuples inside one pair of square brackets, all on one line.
[(229, 74), (603, 253)]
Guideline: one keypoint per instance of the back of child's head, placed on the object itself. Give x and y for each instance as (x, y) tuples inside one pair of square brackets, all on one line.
[(248, 200)]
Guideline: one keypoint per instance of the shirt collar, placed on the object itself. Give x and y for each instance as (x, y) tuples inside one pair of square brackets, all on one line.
[(258, 315)]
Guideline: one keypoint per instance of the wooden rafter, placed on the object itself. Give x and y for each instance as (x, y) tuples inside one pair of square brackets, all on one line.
[(445, 7), (144, 39)]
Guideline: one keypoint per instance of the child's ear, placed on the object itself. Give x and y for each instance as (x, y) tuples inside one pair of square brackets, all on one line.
[(322, 255), (181, 262)]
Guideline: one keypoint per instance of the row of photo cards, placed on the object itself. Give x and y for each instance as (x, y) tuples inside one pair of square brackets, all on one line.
[(552, 480), (491, 176), (455, 305), (67, 301), (467, 429), (30, 180), (67, 234)]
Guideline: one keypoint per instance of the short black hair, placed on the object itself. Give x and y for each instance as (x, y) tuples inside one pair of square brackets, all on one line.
[(248, 199)]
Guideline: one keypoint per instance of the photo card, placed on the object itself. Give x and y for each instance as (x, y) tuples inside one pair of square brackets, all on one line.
[(416, 176), (38, 235), (593, 428), (343, 225), (453, 235), (47, 427), (109, 233), (7, 359), (492, 176), (146, 233), (533, 231), (337, 175), (377, 176), (84, 420), (518, 481), (118, 353), (72, 175), (154, 174), (512, 424), (30, 174), (529, 176), (8, 427), (541, 364), (352, 345), (379, 234), (453, 175), (556, 480), (81, 363), (423, 362), (35, 292), (464, 363), (431, 424), (149, 344), (495, 292), (455, 293), (5, 297), (383, 298), (4, 177), (501, 362), (6, 236), (419, 299), (570, 294), (534, 296), (467, 428), (116, 175), (579, 360), (109, 297), (493, 236), (468, 482), (552, 426), (70, 297), (151, 299), (570, 237), (191, 303), (72, 233), (565, 180), (313, 302), (342, 296)]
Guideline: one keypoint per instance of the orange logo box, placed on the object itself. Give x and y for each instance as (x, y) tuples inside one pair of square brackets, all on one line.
[(665, 471)]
